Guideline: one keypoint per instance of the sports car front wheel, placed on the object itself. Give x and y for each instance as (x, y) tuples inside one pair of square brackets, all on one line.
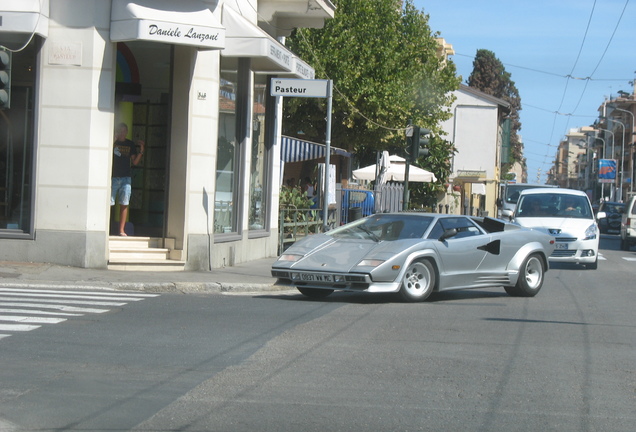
[(530, 278), (418, 281)]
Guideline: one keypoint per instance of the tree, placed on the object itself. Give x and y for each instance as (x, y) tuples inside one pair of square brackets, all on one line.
[(384, 63), (489, 76)]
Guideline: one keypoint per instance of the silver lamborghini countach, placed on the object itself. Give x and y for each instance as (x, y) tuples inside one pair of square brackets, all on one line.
[(416, 254)]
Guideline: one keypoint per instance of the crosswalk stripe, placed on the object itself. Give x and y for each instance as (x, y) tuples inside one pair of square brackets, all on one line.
[(629, 258), (65, 296), (23, 309), (18, 327), (55, 306), (94, 303), (31, 320), (39, 312), (101, 293)]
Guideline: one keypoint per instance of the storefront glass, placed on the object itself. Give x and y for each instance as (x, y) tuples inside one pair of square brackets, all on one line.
[(16, 146), (258, 166), (227, 154)]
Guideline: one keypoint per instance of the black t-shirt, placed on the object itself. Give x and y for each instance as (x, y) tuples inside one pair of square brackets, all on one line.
[(122, 152)]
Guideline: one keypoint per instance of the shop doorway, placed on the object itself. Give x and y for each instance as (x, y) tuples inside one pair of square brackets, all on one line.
[(143, 88)]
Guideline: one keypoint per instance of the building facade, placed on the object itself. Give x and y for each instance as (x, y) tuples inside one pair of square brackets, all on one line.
[(476, 131), (191, 79)]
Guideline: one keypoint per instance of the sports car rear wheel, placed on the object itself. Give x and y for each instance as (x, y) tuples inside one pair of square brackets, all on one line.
[(418, 281), (530, 278), (315, 292)]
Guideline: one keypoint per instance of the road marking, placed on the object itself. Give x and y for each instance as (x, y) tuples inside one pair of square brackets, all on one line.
[(23, 310), (629, 258), (82, 302), (32, 320), (72, 295), (18, 327), (54, 306), (39, 312)]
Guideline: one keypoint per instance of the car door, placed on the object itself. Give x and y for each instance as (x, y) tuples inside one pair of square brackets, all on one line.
[(461, 255)]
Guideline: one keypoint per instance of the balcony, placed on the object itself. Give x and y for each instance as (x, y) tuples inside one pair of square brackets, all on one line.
[(282, 16)]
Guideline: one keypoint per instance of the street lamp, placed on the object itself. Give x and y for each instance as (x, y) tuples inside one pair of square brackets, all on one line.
[(631, 183), (604, 154), (620, 197)]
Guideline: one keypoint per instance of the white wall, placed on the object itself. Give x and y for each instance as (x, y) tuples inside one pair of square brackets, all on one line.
[(473, 129)]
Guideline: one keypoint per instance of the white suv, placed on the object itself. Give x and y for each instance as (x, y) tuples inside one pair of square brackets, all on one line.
[(628, 224), (567, 215)]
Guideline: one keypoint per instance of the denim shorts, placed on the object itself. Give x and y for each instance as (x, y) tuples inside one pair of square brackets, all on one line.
[(120, 188)]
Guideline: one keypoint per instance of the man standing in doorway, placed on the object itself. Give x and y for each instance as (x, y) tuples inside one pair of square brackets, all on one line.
[(125, 154)]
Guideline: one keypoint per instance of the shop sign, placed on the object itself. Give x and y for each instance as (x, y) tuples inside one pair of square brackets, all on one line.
[(471, 174), (184, 35)]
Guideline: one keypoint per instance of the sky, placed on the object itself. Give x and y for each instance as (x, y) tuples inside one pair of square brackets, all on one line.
[(566, 58)]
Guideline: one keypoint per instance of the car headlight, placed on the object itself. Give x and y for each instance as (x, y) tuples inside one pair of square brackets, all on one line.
[(591, 232), (289, 257), (370, 262)]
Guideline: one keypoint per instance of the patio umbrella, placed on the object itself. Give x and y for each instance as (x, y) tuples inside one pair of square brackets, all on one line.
[(384, 165), (395, 172)]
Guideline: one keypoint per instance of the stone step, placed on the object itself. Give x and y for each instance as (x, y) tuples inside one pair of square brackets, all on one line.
[(141, 254), (148, 266), (119, 242)]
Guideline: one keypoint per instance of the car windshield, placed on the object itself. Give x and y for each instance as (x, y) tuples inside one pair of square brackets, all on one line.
[(612, 207), (384, 227), (513, 191), (554, 205)]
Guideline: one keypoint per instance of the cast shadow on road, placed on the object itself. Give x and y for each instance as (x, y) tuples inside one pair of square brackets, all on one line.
[(386, 298)]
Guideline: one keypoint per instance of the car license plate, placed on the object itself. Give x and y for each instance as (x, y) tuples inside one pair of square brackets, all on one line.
[(316, 277), (562, 246)]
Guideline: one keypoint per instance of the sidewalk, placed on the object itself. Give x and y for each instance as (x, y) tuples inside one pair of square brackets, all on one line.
[(250, 276)]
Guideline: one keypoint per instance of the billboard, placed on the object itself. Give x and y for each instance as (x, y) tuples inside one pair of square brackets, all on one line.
[(607, 170)]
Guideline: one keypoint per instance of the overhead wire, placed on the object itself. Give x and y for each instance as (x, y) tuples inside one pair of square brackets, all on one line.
[(569, 77)]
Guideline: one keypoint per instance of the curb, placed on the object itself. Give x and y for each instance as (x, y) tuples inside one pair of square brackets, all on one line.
[(153, 287)]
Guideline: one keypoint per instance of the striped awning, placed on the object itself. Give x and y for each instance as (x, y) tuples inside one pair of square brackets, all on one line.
[(295, 150)]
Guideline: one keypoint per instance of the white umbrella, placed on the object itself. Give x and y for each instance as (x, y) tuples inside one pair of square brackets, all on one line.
[(385, 164), (395, 172)]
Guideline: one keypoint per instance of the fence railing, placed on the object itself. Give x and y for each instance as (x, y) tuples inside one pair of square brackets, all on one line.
[(295, 224)]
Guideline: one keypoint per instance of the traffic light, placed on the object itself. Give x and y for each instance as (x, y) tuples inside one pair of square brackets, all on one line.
[(419, 142), (5, 79)]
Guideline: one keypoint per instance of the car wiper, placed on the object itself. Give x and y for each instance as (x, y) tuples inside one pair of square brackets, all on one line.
[(367, 231)]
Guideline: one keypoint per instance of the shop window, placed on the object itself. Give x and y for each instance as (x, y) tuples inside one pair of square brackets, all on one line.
[(259, 157), (225, 198), (17, 146)]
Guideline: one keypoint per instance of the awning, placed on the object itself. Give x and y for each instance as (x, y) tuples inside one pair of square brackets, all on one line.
[(478, 188), (300, 69), (244, 39), (183, 22), (24, 16), (295, 150)]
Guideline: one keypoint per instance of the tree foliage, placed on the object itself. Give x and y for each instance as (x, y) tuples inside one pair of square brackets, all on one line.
[(384, 63), (489, 76)]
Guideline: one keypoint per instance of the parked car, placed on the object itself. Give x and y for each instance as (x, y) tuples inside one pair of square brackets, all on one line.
[(628, 224), (609, 216), (565, 214), (416, 254)]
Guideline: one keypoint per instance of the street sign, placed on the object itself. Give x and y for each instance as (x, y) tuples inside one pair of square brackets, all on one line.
[(293, 87)]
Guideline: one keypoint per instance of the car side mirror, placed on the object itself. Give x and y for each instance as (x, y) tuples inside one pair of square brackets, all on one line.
[(448, 234), (601, 215)]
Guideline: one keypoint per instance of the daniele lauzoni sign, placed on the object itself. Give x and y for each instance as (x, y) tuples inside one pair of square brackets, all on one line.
[(183, 34)]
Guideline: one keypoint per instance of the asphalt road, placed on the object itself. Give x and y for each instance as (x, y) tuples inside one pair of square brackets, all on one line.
[(468, 360)]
